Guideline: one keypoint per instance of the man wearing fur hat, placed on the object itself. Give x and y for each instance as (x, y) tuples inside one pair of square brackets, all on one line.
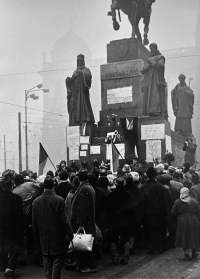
[(79, 106), (11, 228), (182, 103)]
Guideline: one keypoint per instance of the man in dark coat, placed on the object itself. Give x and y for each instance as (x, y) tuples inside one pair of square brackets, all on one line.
[(50, 227), (155, 210), (119, 218), (83, 216), (64, 186), (11, 228)]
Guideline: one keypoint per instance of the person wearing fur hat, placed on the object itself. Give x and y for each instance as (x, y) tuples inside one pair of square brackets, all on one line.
[(119, 212), (187, 212), (51, 227), (11, 228), (155, 210), (160, 168)]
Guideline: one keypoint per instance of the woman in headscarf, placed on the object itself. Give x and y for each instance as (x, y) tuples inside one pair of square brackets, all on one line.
[(187, 211)]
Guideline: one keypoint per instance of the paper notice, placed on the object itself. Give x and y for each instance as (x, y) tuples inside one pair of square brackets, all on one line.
[(84, 139), (83, 153), (95, 149), (74, 153), (153, 150), (154, 131)]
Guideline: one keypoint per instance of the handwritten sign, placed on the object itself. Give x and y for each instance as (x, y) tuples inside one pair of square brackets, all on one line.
[(154, 131), (74, 153), (153, 150)]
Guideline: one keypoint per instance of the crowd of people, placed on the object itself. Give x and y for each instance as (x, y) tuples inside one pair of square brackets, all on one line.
[(156, 210)]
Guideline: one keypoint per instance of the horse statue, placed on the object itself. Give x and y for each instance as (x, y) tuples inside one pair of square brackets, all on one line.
[(135, 10)]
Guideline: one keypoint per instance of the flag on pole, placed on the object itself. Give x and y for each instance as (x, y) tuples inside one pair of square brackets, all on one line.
[(115, 157), (43, 159)]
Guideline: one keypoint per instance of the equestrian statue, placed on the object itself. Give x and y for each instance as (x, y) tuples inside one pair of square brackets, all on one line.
[(135, 10)]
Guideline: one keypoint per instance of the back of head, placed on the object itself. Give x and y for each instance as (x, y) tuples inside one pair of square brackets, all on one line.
[(6, 183), (18, 179), (48, 182), (187, 183), (186, 165), (50, 173), (176, 175), (195, 178), (103, 172), (120, 181), (161, 179), (167, 177), (82, 175), (63, 175), (151, 173), (76, 182), (166, 166), (103, 182)]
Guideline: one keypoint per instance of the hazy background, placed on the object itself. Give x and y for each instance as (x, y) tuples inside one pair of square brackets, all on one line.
[(30, 28)]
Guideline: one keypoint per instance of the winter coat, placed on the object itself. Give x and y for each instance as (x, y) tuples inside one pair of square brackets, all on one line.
[(153, 196), (50, 223), (119, 209), (176, 183), (188, 224), (11, 222), (83, 208)]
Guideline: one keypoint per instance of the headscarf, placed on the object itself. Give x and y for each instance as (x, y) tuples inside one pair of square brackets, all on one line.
[(184, 194)]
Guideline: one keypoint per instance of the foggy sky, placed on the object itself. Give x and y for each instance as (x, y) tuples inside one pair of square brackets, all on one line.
[(30, 28)]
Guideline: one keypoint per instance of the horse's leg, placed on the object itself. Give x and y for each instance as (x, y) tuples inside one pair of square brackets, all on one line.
[(132, 17), (137, 30), (114, 6), (146, 28)]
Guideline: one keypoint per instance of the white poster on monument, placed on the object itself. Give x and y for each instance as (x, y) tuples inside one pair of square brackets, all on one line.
[(153, 150), (168, 143), (74, 153), (153, 131), (120, 95)]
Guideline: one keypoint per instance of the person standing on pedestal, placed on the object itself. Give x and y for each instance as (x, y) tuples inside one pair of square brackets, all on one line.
[(154, 85), (79, 106), (190, 148), (182, 102)]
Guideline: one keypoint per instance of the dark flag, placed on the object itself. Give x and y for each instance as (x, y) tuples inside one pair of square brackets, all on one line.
[(42, 159)]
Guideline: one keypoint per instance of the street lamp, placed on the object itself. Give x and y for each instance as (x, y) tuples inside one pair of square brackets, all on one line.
[(29, 94)]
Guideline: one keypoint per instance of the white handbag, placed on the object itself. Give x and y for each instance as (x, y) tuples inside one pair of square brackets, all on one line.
[(82, 241)]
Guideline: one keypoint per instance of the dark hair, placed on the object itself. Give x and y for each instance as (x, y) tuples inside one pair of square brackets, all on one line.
[(63, 174), (151, 173), (176, 175), (72, 175), (18, 179), (95, 171), (103, 182), (50, 173), (161, 179), (48, 182)]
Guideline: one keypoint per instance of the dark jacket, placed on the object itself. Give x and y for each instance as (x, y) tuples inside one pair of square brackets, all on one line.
[(50, 223), (11, 222), (63, 188), (153, 196), (175, 192), (119, 209), (176, 183), (83, 208), (188, 223)]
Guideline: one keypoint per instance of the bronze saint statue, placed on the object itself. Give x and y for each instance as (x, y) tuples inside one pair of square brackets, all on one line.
[(190, 149), (79, 106), (154, 86), (182, 103), (135, 10)]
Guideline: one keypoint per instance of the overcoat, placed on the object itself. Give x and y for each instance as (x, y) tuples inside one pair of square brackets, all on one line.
[(11, 222), (83, 209), (155, 203), (50, 223), (119, 209), (188, 225)]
